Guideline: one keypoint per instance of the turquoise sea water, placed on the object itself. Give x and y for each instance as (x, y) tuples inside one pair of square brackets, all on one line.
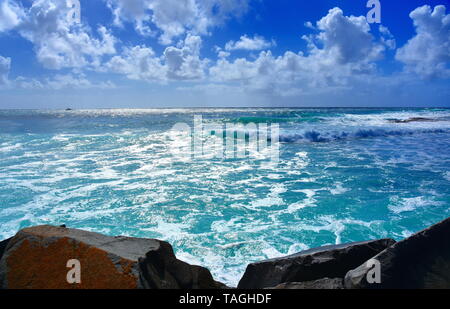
[(343, 175)]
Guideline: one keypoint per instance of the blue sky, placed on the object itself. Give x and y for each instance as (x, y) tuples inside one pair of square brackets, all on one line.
[(172, 53)]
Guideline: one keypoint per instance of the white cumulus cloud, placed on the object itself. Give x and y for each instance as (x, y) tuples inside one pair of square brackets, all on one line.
[(344, 50), (180, 62), (428, 52), (138, 63), (345, 39), (173, 18), (11, 15), (247, 43), (58, 42), (184, 63)]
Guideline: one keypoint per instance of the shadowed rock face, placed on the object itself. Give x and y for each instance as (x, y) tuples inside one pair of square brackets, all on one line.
[(420, 261), (321, 284), (36, 258), (3, 245), (161, 270), (328, 261)]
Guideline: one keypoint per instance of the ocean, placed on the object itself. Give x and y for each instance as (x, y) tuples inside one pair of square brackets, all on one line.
[(342, 175)]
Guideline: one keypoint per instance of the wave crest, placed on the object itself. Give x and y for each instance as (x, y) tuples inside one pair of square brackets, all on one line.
[(322, 137)]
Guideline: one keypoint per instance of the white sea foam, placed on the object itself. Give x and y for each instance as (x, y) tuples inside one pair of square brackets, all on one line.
[(336, 226), (406, 233), (339, 189), (224, 214), (297, 247), (309, 201), (5, 147), (400, 205), (273, 198), (447, 175), (382, 119)]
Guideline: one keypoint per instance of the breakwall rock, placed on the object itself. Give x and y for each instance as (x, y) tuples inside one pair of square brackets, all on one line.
[(37, 258), (314, 264), (321, 284), (3, 245), (421, 261)]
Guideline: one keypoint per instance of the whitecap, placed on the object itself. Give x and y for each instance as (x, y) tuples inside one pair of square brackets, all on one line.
[(399, 205), (447, 175), (308, 201), (339, 189)]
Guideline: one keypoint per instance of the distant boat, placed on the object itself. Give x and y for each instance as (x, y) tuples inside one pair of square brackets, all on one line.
[(69, 109)]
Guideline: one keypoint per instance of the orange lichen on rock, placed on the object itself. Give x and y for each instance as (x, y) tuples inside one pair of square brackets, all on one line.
[(50, 257), (38, 265)]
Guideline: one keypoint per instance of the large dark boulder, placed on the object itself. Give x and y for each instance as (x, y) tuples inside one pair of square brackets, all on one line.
[(160, 269), (321, 284), (420, 261), (37, 258), (3, 245), (329, 261)]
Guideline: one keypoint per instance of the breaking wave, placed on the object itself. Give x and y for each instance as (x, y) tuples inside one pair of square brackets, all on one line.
[(323, 137)]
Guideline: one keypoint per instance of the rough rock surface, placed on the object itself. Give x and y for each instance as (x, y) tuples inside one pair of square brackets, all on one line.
[(414, 119), (37, 257), (160, 269), (309, 265), (321, 284), (3, 245), (420, 261)]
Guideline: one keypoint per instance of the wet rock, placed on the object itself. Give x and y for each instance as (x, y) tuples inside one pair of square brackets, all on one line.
[(321, 284), (310, 265), (37, 258), (420, 261)]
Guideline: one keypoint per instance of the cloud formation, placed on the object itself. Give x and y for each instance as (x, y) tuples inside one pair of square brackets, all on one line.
[(58, 42), (181, 62), (344, 49), (247, 43), (342, 52), (428, 52), (345, 39), (137, 63), (11, 15), (173, 18)]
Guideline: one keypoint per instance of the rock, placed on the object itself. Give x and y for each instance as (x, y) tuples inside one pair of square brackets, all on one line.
[(37, 257), (321, 284), (3, 245), (420, 261), (414, 119), (309, 265), (161, 270)]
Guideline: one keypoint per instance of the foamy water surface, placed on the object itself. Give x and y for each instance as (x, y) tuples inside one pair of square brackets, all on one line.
[(344, 175)]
